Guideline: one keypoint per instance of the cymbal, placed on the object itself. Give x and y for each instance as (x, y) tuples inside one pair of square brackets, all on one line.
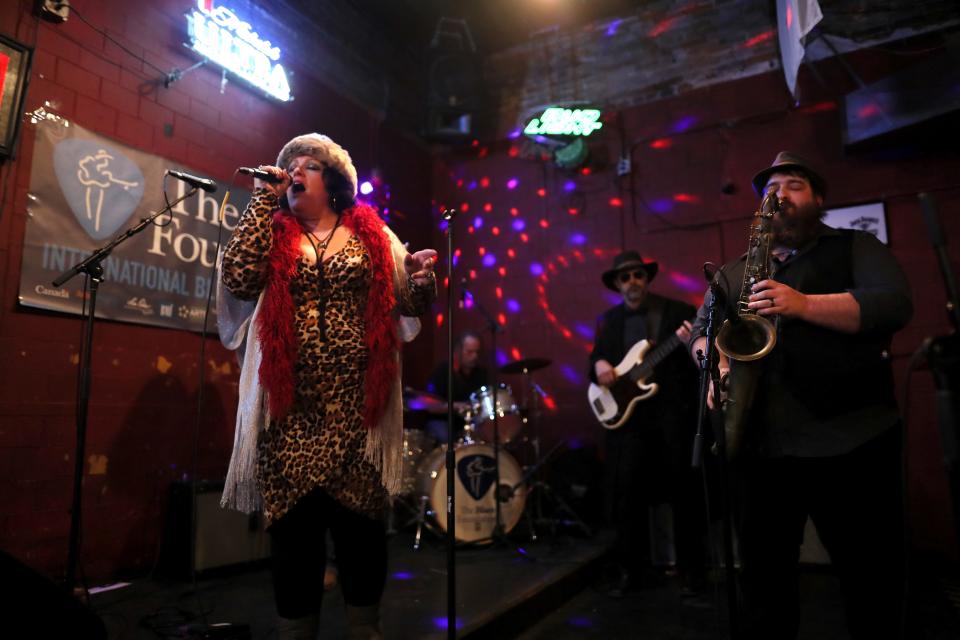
[(525, 365), (417, 400)]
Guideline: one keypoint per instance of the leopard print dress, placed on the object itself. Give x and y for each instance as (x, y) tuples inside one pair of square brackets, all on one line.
[(320, 442)]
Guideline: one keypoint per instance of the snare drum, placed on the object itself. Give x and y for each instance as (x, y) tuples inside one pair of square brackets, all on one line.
[(509, 421), (474, 490)]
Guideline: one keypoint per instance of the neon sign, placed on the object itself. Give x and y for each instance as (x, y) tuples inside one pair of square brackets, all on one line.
[(220, 36), (560, 121)]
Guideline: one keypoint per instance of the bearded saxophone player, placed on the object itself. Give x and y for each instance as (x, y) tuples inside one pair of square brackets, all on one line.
[(822, 437)]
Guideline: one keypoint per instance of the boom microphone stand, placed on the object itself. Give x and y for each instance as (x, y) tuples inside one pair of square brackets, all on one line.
[(448, 215), (92, 267), (710, 375)]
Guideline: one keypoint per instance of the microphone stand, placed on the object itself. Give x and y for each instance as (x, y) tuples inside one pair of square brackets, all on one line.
[(943, 358), (92, 267), (449, 215), (498, 533), (710, 375)]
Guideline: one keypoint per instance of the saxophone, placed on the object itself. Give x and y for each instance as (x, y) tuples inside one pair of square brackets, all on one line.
[(749, 337)]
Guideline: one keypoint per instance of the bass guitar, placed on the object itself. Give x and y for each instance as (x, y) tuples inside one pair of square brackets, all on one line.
[(613, 405)]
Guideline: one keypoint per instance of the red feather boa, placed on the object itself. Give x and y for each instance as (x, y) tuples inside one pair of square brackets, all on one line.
[(277, 332)]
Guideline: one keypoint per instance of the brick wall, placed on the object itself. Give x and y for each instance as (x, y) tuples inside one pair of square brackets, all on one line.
[(145, 380)]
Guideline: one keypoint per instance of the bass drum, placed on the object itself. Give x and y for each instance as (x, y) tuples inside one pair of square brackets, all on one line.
[(475, 515)]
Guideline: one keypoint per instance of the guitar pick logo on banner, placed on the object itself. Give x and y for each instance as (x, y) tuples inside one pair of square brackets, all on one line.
[(101, 185), (477, 474)]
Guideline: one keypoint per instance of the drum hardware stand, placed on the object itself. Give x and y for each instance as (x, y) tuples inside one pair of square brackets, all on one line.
[(93, 269), (498, 534)]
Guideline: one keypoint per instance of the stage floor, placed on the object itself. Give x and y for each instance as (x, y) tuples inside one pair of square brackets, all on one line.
[(498, 589), (549, 590)]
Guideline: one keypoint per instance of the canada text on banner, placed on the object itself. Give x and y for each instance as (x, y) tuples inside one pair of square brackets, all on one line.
[(85, 190)]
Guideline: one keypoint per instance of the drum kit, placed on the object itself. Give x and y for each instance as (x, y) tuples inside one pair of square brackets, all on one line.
[(425, 473)]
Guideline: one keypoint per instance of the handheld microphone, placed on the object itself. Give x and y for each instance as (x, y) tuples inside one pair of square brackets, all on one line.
[(261, 175), (200, 183)]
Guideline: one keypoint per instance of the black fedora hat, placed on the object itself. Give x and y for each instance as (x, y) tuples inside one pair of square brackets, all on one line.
[(789, 161), (625, 261)]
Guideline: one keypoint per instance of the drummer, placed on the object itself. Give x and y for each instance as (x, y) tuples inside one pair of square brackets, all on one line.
[(468, 376)]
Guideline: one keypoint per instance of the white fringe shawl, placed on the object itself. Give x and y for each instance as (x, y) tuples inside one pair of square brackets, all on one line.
[(237, 321)]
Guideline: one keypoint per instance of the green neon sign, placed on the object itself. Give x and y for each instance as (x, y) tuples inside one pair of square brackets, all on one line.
[(560, 121)]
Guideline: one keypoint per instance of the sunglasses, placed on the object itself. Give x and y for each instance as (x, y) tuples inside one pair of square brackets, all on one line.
[(624, 276)]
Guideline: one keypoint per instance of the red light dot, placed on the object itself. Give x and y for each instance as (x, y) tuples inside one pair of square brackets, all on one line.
[(573, 211), (439, 319), (456, 253), (501, 318), (567, 334), (585, 171), (460, 183), (482, 251), (470, 229), (515, 353), (488, 207), (499, 293), (473, 274), (511, 253), (495, 231), (661, 143), (550, 403), (514, 152), (502, 271), (483, 152), (464, 207), (524, 237), (514, 212), (541, 192), (543, 223), (484, 182), (616, 202), (446, 281)]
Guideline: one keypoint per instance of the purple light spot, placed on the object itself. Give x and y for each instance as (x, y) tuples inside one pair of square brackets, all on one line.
[(456, 259), (519, 225), (584, 330), (663, 205), (467, 300), (536, 269), (613, 26), (578, 239), (569, 186), (515, 133), (612, 298), (489, 260), (570, 374), (540, 139), (574, 443), (684, 123), (686, 282), (402, 575), (472, 186), (502, 358), (512, 183), (513, 306), (442, 622), (580, 622), (478, 222), (443, 225)]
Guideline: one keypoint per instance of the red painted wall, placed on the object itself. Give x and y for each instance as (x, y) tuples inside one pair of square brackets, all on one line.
[(145, 380), (683, 150)]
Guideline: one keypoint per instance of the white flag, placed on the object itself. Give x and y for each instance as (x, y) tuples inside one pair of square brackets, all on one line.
[(795, 19)]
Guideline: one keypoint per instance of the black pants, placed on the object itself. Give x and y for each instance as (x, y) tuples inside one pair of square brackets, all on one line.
[(299, 555), (854, 501), (648, 464)]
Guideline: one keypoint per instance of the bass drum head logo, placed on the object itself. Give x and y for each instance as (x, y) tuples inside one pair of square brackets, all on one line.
[(101, 185), (477, 474)]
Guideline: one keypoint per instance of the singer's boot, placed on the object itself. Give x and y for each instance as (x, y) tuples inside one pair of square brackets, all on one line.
[(305, 628), (363, 623)]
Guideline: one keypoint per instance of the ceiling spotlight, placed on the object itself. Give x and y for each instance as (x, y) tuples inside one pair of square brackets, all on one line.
[(366, 187)]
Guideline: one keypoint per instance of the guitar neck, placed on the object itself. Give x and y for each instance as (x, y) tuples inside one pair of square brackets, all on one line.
[(654, 357)]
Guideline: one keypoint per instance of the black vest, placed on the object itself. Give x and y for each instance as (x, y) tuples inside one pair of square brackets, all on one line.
[(831, 372)]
